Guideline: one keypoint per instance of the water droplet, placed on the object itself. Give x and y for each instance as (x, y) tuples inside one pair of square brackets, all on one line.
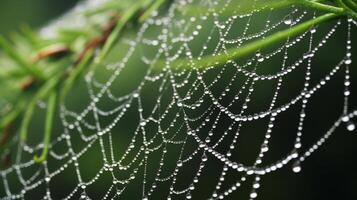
[(296, 166), (294, 153), (229, 153), (155, 42), (71, 126), (143, 122), (253, 195), (188, 195), (250, 171), (345, 118), (313, 30), (204, 157), (83, 196), (260, 59), (192, 187), (351, 126), (256, 185), (308, 55), (265, 148), (297, 145), (288, 20), (347, 93), (195, 180), (348, 61)]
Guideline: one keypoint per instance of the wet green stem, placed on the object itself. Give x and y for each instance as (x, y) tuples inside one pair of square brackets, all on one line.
[(51, 110), (235, 53)]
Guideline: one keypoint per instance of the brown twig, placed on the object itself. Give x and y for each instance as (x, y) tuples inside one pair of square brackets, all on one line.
[(52, 51), (5, 135), (28, 84), (6, 160), (98, 41)]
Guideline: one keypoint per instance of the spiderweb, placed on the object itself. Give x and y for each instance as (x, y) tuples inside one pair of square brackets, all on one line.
[(193, 132)]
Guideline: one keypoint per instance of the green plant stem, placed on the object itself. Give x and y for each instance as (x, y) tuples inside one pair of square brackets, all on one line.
[(127, 16), (51, 110), (320, 6), (235, 53), (244, 7), (26, 121)]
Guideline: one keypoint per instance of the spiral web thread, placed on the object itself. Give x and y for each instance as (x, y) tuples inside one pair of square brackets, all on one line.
[(197, 113)]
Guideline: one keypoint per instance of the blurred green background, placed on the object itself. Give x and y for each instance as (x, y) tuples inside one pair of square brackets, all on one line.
[(33, 12), (328, 174)]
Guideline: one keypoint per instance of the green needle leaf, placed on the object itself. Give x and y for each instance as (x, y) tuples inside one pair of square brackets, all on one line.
[(51, 110), (13, 54), (26, 121), (235, 53), (243, 7)]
